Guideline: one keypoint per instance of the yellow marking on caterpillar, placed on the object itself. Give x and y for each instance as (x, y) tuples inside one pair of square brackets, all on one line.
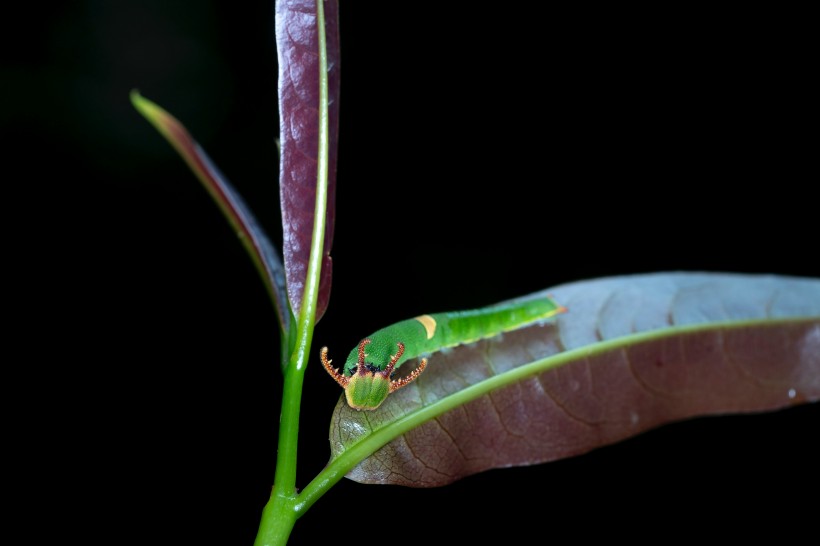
[(429, 324)]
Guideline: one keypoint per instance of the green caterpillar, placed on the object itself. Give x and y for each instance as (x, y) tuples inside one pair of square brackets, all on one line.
[(367, 373)]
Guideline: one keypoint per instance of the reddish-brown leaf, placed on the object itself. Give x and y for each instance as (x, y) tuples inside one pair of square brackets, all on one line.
[(632, 353), (298, 49), (261, 251)]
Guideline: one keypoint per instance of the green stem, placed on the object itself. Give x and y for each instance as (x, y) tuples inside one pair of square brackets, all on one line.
[(280, 514)]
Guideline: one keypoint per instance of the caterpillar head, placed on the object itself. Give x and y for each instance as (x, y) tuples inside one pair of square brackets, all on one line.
[(368, 385)]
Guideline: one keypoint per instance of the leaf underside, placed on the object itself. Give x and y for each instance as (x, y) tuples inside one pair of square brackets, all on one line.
[(297, 46), (631, 354)]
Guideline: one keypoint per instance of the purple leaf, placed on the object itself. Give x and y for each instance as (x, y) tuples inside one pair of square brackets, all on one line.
[(261, 250), (298, 49), (632, 353)]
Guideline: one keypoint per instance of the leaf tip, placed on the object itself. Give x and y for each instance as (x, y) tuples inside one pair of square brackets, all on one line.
[(142, 104), (149, 109)]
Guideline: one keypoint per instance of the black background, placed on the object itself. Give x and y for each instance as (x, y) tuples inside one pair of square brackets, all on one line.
[(483, 154)]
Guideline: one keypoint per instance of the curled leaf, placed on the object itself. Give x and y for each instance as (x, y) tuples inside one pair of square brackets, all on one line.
[(631, 354), (262, 252)]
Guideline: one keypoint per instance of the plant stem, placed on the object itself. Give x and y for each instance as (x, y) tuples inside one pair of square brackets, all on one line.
[(279, 514), (277, 522)]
